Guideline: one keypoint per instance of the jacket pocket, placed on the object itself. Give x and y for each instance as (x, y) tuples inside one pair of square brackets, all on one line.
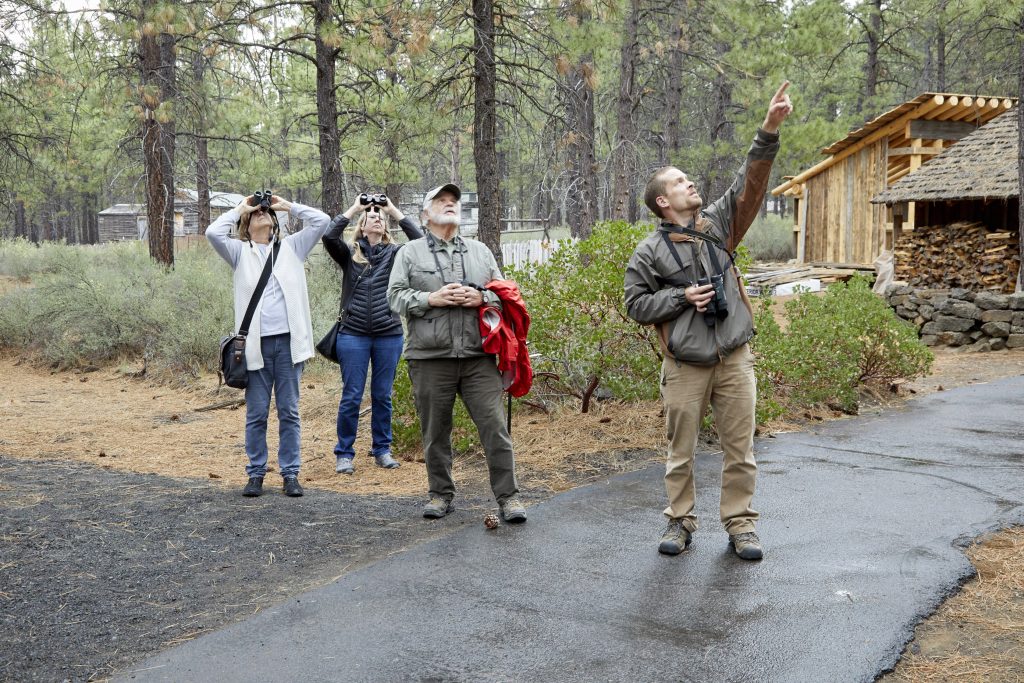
[(425, 279), (691, 340), (430, 332)]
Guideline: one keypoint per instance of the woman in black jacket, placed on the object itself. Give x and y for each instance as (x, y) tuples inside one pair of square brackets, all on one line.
[(370, 333)]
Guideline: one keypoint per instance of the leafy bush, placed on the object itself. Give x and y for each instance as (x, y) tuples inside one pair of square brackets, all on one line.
[(579, 323), (833, 343)]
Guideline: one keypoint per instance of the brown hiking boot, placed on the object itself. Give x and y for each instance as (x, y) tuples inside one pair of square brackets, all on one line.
[(675, 538), (512, 510), (437, 508), (747, 545)]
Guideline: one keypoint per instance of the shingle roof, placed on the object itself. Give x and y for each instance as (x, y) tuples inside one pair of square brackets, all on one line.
[(981, 166)]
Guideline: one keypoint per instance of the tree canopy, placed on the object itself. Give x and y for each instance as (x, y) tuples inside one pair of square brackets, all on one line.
[(555, 109)]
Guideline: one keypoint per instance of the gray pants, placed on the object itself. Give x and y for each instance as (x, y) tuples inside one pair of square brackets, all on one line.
[(435, 384)]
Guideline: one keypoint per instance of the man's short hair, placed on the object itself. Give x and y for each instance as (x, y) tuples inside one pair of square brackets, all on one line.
[(656, 188)]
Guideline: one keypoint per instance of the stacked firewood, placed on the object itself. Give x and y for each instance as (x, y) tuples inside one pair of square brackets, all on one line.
[(963, 254)]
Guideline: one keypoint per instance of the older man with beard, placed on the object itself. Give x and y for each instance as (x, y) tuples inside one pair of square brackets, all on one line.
[(437, 285)]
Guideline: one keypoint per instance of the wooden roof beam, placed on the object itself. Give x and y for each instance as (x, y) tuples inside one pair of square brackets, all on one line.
[(876, 135)]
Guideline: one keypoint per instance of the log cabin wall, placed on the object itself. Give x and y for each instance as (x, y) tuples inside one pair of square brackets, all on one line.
[(842, 225)]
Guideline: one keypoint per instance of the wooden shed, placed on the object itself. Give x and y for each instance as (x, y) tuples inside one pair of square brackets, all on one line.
[(967, 203), (129, 222), (835, 220)]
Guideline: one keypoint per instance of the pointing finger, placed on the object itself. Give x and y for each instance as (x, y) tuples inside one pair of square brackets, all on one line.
[(781, 91)]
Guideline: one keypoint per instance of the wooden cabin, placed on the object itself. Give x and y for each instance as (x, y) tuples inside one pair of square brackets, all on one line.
[(967, 204), (835, 220), (129, 222)]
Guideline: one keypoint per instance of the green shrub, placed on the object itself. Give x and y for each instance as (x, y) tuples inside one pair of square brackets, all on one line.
[(833, 343), (579, 324)]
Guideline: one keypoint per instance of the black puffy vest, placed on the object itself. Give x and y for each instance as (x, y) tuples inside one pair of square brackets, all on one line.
[(366, 289)]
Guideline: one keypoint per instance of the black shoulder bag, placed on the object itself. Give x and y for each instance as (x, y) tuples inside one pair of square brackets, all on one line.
[(233, 370)]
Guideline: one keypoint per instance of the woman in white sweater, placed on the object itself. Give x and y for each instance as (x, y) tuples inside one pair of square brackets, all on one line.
[(280, 336)]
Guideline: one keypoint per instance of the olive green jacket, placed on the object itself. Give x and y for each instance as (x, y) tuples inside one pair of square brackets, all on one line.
[(444, 331), (654, 282)]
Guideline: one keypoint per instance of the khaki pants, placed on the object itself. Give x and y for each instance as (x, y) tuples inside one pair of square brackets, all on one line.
[(435, 384), (730, 387)]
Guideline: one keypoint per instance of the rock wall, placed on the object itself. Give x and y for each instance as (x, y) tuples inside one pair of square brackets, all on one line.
[(976, 321)]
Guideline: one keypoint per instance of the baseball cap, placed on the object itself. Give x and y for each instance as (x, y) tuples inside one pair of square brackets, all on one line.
[(450, 187)]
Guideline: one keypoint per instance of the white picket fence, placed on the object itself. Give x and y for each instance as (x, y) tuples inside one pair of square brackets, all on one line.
[(519, 254)]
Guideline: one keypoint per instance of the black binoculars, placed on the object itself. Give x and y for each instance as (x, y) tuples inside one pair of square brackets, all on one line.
[(373, 199), (718, 306), (262, 199)]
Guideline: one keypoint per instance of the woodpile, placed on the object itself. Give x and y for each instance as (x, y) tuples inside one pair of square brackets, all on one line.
[(962, 254)]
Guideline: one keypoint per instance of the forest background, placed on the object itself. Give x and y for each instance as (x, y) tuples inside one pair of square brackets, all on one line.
[(554, 109)]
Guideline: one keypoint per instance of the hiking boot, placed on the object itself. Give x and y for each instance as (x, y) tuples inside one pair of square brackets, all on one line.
[(292, 488), (253, 488), (344, 466), (512, 510), (747, 545), (437, 508), (674, 539), (386, 461)]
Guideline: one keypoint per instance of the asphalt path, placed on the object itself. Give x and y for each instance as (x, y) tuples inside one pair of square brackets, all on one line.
[(863, 522)]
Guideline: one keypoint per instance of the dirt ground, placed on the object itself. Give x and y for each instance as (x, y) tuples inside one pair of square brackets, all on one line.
[(121, 531)]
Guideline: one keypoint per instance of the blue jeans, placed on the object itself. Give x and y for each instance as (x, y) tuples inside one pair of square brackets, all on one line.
[(356, 352), (280, 377)]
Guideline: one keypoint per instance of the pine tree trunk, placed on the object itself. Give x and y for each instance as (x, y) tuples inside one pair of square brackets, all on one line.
[(485, 127), (202, 153), (20, 226), (327, 114), (581, 206), (157, 51), (674, 96), (625, 135), (721, 134), (873, 38)]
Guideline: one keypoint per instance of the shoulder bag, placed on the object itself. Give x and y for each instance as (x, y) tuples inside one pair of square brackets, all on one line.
[(233, 369)]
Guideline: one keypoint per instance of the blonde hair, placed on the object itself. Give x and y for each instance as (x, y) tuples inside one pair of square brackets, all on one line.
[(357, 251)]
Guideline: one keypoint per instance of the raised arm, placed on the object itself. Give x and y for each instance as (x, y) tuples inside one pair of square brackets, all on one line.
[(217, 233), (736, 210), (314, 225)]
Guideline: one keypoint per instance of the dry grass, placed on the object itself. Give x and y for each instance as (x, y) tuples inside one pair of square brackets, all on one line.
[(978, 635)]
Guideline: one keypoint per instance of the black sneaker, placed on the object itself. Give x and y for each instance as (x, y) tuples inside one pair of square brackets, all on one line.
[(675, 538), (292, 487), (254, 488)]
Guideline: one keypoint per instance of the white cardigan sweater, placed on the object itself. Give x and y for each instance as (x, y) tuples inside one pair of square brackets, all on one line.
[(247, 262)]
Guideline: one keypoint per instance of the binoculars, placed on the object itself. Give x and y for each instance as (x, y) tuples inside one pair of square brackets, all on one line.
[(262, 199), (373, 199), (718, 307)]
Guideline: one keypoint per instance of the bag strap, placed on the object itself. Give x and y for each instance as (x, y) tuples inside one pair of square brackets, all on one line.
[(707, 237), (258, 292)]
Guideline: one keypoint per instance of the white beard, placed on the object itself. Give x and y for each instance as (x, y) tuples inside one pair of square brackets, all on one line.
[(443, 219)]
